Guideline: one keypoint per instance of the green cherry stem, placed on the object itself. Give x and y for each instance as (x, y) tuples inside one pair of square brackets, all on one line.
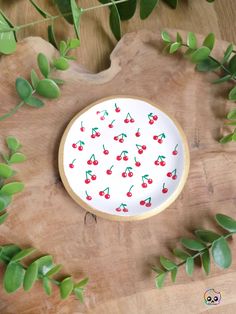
[(131, 188), (148, 199)]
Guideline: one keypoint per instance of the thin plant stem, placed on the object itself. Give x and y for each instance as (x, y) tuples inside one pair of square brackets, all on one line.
[(12, 111), (103, 5)]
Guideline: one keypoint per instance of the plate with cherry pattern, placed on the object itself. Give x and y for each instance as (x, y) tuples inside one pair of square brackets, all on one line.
[(123, 158)]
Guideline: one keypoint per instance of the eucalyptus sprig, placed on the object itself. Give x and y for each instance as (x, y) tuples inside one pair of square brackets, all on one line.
[(47, 85), (201, 55), (206, 243), (18, 273), (8, 189)]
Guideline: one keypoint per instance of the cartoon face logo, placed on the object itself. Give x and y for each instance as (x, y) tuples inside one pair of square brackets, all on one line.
[(212, 297)]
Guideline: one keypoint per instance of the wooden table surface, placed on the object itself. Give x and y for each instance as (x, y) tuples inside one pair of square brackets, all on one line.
[(97, 42)]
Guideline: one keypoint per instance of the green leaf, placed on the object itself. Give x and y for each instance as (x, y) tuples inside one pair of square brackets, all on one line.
[(52, 36), (191, 40), (189, 266), (73, 43), (172, 3), (209, 41), (17, 158), (193, 245), (174, 274), (232, 65), (127, 9), (79, 293), (47, 286), (62, 47), (61, 64), (13, 143), (179, 38), (200, 54), (226, 222), (228, 53), (5, 199), (54, 270), (34, 78), (165, 37), (206, 261), (31, 276), (34, 102), (146, 8), (160, 280), (76, 14), (13, 277), (9, 250), (207, 236), (3, 217), (221, 253), (222, 79), (22, 254), (82, 283), (7, 39), (23, 88), (48, 89), (231, 123), (45, 263), (232, 114), (5, 171), (64, 7), (40, 10), (232, 94), (181, 254), (115, 22), (166, 263), (66, 287), (174, 47), (226, 139), (207, 65), (2, 204), (9, 23), (43, 64), (12, 188)]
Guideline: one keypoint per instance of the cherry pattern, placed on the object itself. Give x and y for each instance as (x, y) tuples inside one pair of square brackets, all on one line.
[(138, 163)]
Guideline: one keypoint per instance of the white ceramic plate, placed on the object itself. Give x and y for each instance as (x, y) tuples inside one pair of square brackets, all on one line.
[(123, 158)]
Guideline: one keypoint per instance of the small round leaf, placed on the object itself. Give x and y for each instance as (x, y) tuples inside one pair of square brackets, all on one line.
[(61, 64), (200, 54), (30, 276), (17, 158), (66, 287), (34, 102), (48, 89), (23, 88), (221, 253), (193, 245), (43, 64), (13, 277), (226, 222), (12, 143), (12, 188), (189, 266), (5, 171)]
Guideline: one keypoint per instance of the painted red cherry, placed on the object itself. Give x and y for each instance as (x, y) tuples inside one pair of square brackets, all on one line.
[(150, 181), (118, 209), (137, 164), (155, 118), (109, 171), (132, 120), (130, 174), (107, 196), (110, 126), (124, 174), (116, 138), (98, 134), (129, 194), (89, 162), (125, 210), (144, 147), (102, 118), (156, 162), (125, 158), (74, 145), (117, 109), (87, 181), (138, 134), (142, 203), (174, 177), (89, 198), (151, 121), (118, 157), (140, 151), (160, 141), (106, 152), (82, 129), (148, 205), (144, 185), (80, 148), (71, 166), (101, 193), (126, 120), (155, 137), (165, 190), (121, 140), (93, 135), (169, 174), (98, 112), (175, 152), (93, 177), (162, 163), (95, 162)]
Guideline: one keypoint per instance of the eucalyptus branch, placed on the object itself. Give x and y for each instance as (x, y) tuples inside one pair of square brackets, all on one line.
[(42, 268), (8, 189), (205, 62), (206, 242)]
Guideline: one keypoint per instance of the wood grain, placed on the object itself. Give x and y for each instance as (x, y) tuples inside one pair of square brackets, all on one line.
[(117, 255)]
